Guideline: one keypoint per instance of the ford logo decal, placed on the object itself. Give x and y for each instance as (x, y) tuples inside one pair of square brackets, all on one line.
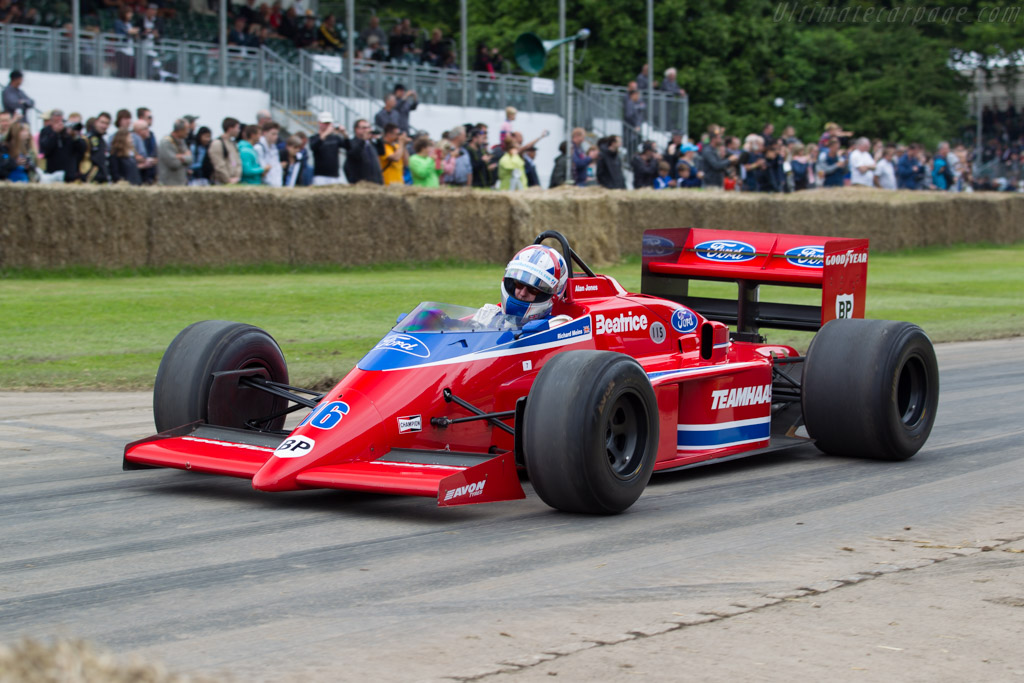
[(725, 251), (405, 344), (655, 245), (811, 256), (684, 320)]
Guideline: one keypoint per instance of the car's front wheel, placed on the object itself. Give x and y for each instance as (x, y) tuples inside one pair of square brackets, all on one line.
[(182, 392), (590, 432)]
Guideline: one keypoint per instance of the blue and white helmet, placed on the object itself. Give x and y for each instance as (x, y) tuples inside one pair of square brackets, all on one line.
[(544, 271)]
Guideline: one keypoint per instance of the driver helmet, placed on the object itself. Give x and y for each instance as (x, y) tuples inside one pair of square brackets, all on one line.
[(544, 271)]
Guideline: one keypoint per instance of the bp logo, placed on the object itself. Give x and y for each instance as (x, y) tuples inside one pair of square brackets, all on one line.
[(725, 251), (844, 306), (810, 256), (684, 320)]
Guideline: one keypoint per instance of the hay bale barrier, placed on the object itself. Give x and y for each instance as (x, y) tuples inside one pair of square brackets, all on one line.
[(53, 227)]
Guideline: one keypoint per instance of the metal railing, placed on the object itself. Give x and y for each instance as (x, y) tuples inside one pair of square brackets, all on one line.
[(1012, 173), (114, 56), (317, 80), (433, 85), (665, 113), (301, 95)]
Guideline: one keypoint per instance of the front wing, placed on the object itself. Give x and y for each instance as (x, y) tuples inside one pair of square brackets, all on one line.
[(453, 478)]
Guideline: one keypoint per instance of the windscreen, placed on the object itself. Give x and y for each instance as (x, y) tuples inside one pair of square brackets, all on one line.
[(431, 316)]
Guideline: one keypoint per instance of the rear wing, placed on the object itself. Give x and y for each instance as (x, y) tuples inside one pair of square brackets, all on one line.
[(838, 267)]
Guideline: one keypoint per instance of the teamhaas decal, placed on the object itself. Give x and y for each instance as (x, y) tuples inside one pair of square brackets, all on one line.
[(404, 343), (725, 251), (740, 397), (410, 423), (849, 257), (469, 490), (624, 322), (809, 256), (684, 320), (844, 306), (295, 447)]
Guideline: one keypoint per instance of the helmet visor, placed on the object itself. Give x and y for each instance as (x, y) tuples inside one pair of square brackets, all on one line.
[(531, 275)]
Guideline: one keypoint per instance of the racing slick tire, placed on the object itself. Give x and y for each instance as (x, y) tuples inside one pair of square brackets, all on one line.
[(870, 388), (181, 394), (590, 432)]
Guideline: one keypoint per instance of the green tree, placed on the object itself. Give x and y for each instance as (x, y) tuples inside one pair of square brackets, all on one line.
[(737, 58)]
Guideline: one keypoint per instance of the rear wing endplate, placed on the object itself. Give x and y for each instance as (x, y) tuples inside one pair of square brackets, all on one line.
[(838, 267)]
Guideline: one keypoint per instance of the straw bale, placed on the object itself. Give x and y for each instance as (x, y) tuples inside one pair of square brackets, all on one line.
[(33, 661), (121, 226)]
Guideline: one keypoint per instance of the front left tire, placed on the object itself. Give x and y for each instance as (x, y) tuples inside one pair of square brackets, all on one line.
[(590, 432), (182, 391)]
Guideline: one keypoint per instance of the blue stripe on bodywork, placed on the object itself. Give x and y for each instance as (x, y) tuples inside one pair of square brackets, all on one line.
[(712, 438)]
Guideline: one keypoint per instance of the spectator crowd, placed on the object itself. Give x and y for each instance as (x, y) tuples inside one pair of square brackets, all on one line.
[(123, 147)]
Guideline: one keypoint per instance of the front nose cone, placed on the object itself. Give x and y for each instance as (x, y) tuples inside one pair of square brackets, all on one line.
[(341, 430)]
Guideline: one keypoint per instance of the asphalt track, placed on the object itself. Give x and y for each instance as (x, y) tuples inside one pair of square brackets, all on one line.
[(210, 576)]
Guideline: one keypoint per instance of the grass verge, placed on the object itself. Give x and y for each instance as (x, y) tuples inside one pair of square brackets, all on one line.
[(89, 329)]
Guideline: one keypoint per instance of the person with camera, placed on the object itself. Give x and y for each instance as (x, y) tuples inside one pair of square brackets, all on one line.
[(326, 146), (98, 170), (18, 156), (62, 146), (393, 153), (363, 160)]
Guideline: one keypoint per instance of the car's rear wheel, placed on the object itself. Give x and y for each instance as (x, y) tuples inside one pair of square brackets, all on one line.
[(870, 388), (182, 392), (590, 432)]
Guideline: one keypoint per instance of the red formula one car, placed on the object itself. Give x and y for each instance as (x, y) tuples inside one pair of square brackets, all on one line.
[(453, 408)]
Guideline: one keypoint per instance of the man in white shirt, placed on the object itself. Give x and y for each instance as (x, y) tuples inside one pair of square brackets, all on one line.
[(862, 164), (885, 172), (268, 154)]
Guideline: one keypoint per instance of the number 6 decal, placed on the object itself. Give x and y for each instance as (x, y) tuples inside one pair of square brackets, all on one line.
[(327, 415)]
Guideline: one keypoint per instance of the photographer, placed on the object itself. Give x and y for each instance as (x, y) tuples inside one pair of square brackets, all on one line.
[(62, 146), (99, 155), (393, 153), (363, 161), (325, 145)]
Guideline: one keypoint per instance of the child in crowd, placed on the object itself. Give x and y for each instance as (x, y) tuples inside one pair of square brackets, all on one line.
[(663, 179)]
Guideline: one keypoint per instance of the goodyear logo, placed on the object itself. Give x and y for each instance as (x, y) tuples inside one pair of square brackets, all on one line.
[(725, 251), (405, 344), (810, 256)]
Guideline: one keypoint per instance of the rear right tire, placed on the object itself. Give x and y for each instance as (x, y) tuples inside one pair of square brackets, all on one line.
[(870, 388)]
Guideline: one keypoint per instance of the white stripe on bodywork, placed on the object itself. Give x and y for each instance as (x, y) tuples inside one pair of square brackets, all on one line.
[(697, 372), (724, 425)]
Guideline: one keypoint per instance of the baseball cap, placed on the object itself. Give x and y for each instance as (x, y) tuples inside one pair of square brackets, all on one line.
[(325, 117), (190, 117)]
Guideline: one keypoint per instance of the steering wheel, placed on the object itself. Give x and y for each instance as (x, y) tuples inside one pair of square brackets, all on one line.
[(567, 253)]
